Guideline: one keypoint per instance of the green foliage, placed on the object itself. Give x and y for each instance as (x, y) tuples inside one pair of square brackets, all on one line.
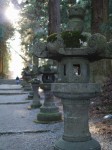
[(7, 32), (52, 37), (34, 17), (71, 38)]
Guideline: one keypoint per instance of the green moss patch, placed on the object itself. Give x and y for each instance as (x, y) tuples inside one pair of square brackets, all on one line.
[(71, 38)]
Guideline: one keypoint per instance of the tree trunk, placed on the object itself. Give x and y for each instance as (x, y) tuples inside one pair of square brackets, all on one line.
[(54, 16), (99, 14), (72, 1), (110, 6)]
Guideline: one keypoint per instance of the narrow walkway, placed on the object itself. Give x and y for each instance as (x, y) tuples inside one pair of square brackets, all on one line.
[(18, 131), (17, 128)]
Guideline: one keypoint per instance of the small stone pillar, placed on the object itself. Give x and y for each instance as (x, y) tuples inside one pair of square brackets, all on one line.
[(26, 79), (36, 98), (34, 74), (30, 95), (49, 112), (26, 83)]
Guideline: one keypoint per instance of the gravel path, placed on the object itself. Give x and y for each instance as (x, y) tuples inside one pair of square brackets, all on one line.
[(18, 131)]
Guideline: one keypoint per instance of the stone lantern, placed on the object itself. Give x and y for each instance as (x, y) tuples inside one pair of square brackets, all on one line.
[(73, 86), (49, 112)]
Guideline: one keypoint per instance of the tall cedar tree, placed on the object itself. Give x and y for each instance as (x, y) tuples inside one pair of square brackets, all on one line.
[(100, 14), (72, 1), (54, 16)]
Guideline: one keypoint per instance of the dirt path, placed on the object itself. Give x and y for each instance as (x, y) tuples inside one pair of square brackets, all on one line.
[(101, 128)]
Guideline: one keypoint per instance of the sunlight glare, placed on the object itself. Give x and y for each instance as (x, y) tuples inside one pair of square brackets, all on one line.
[(20, 1), (12, 14), (16, 65)]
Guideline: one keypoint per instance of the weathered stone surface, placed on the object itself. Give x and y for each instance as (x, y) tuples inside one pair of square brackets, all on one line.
[(49, 111), (76, 15), (36, 98), (66, 145), (73, 70), (76, 90), (97, 43), (75, 98)]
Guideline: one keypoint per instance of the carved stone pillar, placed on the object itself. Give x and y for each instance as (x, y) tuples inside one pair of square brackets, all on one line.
[(36, 98), (49, 112)]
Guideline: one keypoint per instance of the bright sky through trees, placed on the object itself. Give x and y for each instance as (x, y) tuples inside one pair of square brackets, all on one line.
[(16, 63), (12, 14)]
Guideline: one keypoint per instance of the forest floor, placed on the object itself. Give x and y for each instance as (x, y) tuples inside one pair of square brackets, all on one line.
[(99, 125)]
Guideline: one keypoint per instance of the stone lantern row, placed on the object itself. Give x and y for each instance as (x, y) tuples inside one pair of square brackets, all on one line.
[(49, 112)]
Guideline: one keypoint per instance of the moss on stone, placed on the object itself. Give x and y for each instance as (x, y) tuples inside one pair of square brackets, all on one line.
[(71, 38)]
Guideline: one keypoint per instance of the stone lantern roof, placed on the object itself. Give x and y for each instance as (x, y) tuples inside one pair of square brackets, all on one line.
[(57, 47), (97, 48), (63, 44)]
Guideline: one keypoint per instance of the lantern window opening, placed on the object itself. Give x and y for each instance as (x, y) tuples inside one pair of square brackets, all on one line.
[(76, 69), (64, 70), (47, 77)]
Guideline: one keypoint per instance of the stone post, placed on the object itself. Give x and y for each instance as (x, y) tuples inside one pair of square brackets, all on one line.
[(26, 84), (36, 98), (49, 112), (26, 78), (34, 74)]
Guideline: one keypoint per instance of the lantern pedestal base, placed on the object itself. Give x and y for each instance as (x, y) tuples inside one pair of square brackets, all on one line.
[(76, 99), (30, 95), (86, 145), (36, 98), (34, 106), (49, 112), (49, 117), (27, 88)]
